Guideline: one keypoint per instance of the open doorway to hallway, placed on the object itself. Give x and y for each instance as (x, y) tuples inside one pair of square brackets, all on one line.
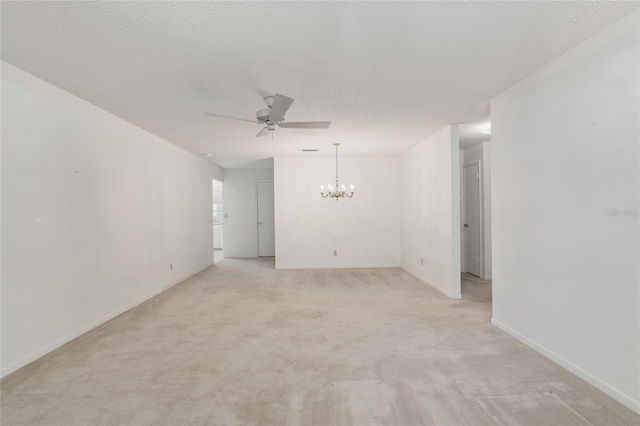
[(218, 221), (472, 214), (475, 209)]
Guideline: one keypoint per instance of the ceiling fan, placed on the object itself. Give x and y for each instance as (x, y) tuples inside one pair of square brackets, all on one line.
[(273, 115)]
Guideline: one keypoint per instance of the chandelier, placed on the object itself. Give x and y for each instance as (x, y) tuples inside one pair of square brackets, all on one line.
[(338, 191)]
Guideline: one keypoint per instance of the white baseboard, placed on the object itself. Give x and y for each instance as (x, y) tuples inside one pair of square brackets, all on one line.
[(614, 393), (432, 284), (16, 365), (335, 266)]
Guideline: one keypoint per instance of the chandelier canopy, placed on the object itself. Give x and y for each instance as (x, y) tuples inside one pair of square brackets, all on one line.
[(338, 191)]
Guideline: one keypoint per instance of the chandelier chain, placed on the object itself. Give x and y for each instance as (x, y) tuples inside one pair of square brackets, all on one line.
[(336, 167)]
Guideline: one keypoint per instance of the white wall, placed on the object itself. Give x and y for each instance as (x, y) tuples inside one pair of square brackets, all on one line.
[(241, 211), (481, 154), (94, 210), (363, 229), (565, 149), (430, 211)]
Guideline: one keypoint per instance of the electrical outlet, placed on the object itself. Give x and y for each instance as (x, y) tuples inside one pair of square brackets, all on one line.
[(422, 261), (335, 252), (171, 266)]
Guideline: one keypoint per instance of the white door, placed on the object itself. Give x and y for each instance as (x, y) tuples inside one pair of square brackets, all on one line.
[(266, 226), (472, 230)]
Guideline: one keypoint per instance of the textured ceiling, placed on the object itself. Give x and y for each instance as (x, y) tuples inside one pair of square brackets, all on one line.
[(387, 74)]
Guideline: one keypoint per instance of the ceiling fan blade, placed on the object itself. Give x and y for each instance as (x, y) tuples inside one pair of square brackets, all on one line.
[(233, 118), (279, 108), (306, 125), (263, 132)]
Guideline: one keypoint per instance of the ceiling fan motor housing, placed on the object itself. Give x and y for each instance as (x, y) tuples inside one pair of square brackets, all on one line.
[(263, 115)]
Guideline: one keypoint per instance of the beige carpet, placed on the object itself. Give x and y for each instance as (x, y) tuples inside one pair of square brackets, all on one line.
[(244, 344)]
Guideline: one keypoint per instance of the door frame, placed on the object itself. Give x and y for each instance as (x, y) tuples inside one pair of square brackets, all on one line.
[(258, 181), (463, 215)]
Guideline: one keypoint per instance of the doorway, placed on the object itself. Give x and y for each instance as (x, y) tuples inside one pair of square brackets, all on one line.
[(218, 221), (266, 222), (475, 286), (472, 227)]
